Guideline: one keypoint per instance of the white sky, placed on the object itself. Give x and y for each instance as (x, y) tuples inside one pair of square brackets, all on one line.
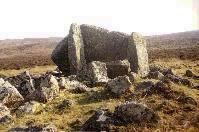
[(51, 18)]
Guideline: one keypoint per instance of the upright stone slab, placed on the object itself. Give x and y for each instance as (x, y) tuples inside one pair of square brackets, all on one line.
[(137, 54), (75, 49), (60, 56)]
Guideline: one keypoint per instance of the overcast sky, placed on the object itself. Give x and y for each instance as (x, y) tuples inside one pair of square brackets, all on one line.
[(52, 18)]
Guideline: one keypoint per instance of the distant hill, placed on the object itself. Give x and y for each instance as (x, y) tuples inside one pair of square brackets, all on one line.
[(17, 53)]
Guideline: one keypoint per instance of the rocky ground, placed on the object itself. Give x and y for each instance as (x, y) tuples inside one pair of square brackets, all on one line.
[(165, 100)]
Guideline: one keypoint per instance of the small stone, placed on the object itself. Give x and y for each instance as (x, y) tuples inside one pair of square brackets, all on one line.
[(5, 116), (133, 76), (119, 85), (134, 112), (145, 85), (98, 122), (155, 75), (118, 68), (65, 104), (28, 108), (189, 73)]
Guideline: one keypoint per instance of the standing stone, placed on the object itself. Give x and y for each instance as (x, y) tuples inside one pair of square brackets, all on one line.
[(137, 54), (60, 56), (75, 49)]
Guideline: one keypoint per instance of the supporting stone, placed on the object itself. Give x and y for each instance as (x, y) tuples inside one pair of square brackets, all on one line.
[(75, 49), (137, 54), (60, 56)]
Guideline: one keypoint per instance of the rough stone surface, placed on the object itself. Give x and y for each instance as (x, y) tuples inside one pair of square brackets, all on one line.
[(47, 90), (23, 83), (96, 73), (5, 116), (87, 43), (65, 104), (35, 128), (133, 76), (9, 95), (118, 68), (137, 54), (73, 85), (98, 122), (103, 45), (60, 56), (119, 85), (178, 80), (145, 85), (28, 108), (134, 112), (155, 75), (75, 49)]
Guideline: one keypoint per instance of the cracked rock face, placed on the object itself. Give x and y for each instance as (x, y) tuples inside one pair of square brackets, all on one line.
[(134, 112), (75, 49), (97, 73), (119, 85), (9, 95), (23, 83)]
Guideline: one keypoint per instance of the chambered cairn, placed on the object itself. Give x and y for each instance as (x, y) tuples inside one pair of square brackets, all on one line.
[(85, 44)]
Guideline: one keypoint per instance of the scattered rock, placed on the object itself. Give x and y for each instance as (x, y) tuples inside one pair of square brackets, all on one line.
[(98, 122), (23, 83), (168, 71), (9, 95), (118, 68), (178, 80), (75, 86), (65, 104), (133, 77), (134, 112), (189, 73), (119, 85), (145, 85), (155, 75), (35, 128), (28, 108), (5, 116)]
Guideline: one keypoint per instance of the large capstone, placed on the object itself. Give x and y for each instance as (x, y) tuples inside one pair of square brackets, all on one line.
[(137, 54), (75, 49)]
